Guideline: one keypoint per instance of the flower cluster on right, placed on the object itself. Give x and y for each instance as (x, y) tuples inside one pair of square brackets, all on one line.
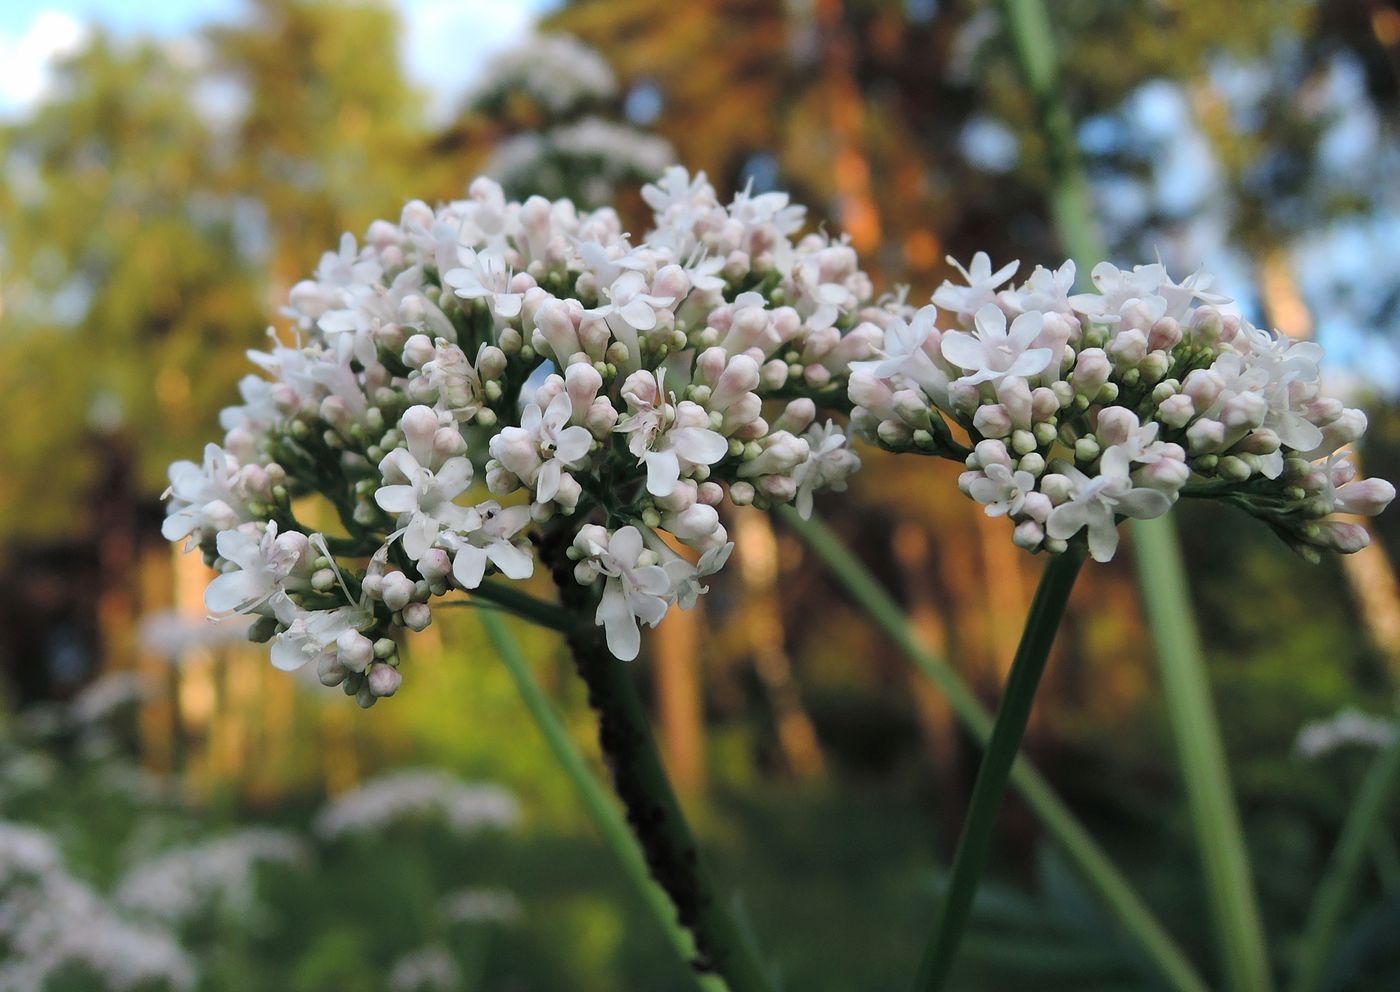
[(1083, 409)]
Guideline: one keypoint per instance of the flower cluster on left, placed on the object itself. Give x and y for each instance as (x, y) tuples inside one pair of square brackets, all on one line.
[(489, 382)]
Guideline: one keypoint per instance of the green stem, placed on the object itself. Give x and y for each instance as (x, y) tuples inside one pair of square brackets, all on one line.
[(1161, 576), (1094, 866), (1335, 893), (538, 611), (601, 808), (1201, 754), (974, 846), (655, 815)]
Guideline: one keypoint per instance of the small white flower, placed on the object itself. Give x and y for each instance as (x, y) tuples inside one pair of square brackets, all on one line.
[(484, 275), (1096, 504), (994, 352), (982, 284), (265, 563), (659, 440), (1001, 490), (425, 503), (491, 543), (543, 446), (632, 591)]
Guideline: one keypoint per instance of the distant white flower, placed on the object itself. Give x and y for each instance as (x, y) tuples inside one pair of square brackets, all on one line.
[(418, 794)]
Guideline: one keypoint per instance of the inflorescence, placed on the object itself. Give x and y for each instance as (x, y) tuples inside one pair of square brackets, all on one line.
[(491, 383)]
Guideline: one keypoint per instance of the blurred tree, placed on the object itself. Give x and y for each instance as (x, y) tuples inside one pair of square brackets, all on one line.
[(128, 278)]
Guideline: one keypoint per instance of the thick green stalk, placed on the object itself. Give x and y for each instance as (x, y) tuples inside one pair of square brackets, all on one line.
[(1161, 576), (599, 805), (1098, 872), (975, 844), (655, 815), (1365, 818)]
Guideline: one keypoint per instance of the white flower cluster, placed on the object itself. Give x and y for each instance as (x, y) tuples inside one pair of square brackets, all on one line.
[(1083, 409), (51, 922), (597, 154), (427, 969), (176, 886), (1348, 727), (482, 906), (417, 794), (606, 394), (556, 70)]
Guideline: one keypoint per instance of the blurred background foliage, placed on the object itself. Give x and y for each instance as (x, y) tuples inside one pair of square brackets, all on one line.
[(164, 193)]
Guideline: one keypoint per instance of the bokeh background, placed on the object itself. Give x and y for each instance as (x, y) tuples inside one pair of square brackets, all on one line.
[(168, 169)]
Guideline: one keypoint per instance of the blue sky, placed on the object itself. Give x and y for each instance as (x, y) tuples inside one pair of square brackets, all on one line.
[(448, 37)]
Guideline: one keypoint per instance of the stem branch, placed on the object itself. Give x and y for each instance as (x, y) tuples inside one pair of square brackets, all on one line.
[(974, 845)]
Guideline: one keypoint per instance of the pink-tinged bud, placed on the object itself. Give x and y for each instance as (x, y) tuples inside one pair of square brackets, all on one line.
[(639, 389), (417, 616), (744, 410), (1177, 410), (992, 453), (680, 499), (582, 382), (1164, 335), (1115, 425), (419, 425), (1349, 426), (490, 362), (1057, 488), (1015, 394), (330, 671), (1128, 347), (873, 394), (594, 336), (600, 418), (448, 443), (1243, 412), (1339, 535), (710, 493), (354, 650), (697, 522), (1166, 474), (1204, 387), (774, 374), (514, 448), (384, 680), (336, 412), (421, 391), (1323, 410), (797, 416), (1036, 506), (911, 406), (1028, 535), (992, 421), (569, 491), (1261, 441), (1365, 498), (1207, 325), (780, 488), (894, 433), (741, 493), (816, 376), (1044, 404), (418, 350), (435, 565), (397, 590), (1091, 371), (557, 327), (740, 377), (783, 453), (1205, 436), (309, 299), (670, 282), (710, 365), (964, 397)]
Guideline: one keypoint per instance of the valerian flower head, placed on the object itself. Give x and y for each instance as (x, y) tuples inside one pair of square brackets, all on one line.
[(488, 386), (1082, 410)]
